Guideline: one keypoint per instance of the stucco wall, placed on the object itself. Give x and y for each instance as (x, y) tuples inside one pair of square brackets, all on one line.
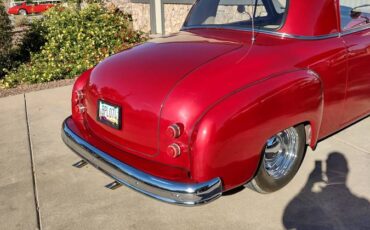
[(174, 16), (140, 13)]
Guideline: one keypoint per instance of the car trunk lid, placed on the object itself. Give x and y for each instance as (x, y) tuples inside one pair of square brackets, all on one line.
[(138, 81)]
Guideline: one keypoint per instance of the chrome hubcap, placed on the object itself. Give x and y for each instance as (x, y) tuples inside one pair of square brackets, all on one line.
[(280, 153)]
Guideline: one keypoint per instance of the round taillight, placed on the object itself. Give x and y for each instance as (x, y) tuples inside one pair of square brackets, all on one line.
[(81, 108), (173, 131), (174, 150), (80, 95)]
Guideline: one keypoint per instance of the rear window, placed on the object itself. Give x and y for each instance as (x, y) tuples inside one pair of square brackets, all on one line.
[(354, 13), (267, 14)]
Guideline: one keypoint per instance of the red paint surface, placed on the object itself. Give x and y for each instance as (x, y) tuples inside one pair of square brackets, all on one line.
[(228, 94), (314, 17)]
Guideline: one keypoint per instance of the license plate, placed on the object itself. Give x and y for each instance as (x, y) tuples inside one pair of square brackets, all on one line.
[(109, 114)]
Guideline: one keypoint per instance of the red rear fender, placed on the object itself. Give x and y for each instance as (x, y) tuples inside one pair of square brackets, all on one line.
[(229, 137)]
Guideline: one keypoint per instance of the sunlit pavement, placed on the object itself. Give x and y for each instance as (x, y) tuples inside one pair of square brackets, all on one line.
[(40, 189)]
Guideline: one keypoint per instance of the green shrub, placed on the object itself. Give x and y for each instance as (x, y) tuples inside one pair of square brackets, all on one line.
[(20, 53), (5, 38), (75, 41), (5, 30)]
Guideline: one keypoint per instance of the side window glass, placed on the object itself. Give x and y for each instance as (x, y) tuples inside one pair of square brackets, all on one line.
[(354, 13), (228, 14), (280, 5), (267, 14)]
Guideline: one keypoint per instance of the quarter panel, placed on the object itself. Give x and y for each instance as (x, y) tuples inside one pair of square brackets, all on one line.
[(228, 139), (358, 88)]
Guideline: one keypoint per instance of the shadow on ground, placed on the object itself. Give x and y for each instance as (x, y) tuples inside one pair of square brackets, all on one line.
[(325, 202)]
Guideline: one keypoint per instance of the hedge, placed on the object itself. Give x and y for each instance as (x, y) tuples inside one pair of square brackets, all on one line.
[(5, 30), (76, 40)]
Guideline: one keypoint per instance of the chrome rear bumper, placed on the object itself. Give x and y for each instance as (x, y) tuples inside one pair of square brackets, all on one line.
[(158, 188)]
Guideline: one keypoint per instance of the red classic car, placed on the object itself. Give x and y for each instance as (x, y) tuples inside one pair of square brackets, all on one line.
[(233, 99), (36, 7)]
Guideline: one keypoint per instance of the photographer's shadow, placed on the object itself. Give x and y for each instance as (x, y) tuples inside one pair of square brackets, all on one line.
[(327, 203)]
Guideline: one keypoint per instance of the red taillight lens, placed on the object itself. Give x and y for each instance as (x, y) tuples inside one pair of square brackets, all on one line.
[(78, 100), (78, 95), (81, 108), (174, 150), (174, 131)]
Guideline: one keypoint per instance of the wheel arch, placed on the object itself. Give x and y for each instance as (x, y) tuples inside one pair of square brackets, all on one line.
[(241, 120), (22, 9)]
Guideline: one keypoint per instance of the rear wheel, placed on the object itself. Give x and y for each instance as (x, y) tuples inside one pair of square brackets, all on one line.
[(22, 12), (281, 159)]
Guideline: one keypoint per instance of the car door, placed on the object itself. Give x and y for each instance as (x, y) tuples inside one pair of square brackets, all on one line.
[(39, 7), (43, 7), (30, 7), (355, 23)]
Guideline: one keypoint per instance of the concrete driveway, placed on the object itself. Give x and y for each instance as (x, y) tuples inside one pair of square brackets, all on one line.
[(40, 189)]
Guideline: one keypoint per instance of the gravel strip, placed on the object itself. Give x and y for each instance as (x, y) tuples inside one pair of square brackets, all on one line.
[(36, 87)]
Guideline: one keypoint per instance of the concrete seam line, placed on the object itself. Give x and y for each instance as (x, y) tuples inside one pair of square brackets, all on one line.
[(33, 170), (352, 145)]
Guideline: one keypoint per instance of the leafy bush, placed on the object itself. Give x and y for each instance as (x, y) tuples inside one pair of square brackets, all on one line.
[(19, 53), (5, 38), (5, 30), (75, 41)]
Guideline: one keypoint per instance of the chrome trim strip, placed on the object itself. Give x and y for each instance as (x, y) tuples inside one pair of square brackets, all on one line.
[(273, 33), (161, 189), (355, 30)]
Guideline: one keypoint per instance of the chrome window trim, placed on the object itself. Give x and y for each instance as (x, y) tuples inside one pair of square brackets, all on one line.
[(355, 30), (284, 35), (274, 33)]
